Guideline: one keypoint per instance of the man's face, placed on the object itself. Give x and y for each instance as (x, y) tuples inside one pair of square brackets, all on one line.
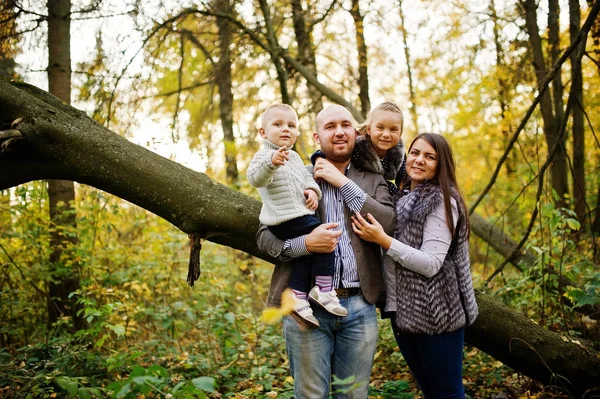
[(335, 133)]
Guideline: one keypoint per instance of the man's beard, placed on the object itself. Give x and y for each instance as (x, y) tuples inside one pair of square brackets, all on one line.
[(338, 156)]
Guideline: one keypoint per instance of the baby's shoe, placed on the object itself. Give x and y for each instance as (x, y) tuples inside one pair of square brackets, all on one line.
[(328, 300), (303, 314)]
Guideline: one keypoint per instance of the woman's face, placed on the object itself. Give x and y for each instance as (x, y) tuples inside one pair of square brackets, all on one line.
[(421, 162)]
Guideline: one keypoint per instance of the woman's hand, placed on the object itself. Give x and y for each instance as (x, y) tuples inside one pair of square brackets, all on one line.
[(370, 230)]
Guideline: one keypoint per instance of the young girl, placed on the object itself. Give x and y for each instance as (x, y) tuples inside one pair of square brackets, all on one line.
[(379, 148), (427, 268)]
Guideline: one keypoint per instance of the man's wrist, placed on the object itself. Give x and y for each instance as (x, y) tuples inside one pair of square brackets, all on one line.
[(343, 181), (297, 246)]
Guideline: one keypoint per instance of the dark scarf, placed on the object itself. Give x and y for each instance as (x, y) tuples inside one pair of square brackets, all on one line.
[(446, 301), (364, 157)]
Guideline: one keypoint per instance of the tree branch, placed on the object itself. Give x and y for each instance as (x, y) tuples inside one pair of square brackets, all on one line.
[(543, 87), (557, 146)]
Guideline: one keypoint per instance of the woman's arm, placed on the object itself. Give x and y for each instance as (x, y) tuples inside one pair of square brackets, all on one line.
[(437, 238), (426, 260)]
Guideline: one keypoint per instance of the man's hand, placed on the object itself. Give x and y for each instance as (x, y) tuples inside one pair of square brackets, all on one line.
[(327, 171), (323, 239), (312, 199), (280, 156)]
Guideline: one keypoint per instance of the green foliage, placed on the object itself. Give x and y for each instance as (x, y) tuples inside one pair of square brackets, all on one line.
[(147, 332), (157, 379), (561, 253), (393, 389), (589, 295)]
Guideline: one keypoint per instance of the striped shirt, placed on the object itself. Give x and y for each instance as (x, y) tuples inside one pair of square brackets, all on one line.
[(335, 199)]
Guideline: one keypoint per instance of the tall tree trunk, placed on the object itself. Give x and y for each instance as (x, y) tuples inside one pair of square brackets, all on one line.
[(276, 52), (503, 89), (8, 37), (64, 273), (361, 47), (596, 223), (55, 135), (306, 56), (411, 86), (306, 51), (578, 119), (595, 33), (554, 43), (223, 78), (558, 170)]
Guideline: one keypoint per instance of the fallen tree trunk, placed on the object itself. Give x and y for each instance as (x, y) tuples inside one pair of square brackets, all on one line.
[(548, 357), (499, 241), (60, 142)]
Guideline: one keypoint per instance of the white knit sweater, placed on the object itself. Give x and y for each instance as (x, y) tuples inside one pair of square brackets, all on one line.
[(281, 188)]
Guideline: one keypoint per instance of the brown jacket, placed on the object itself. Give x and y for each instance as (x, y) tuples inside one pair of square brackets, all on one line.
[(368, 255)]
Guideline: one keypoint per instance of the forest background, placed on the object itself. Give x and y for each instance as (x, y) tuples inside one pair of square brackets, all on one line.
[(93, 294)]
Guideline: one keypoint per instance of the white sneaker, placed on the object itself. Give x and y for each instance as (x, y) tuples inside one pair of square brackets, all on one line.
[(303, 314), (328, 300)]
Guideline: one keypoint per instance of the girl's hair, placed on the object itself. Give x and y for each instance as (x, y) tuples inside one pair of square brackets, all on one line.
[(445, 176), (384, 106)]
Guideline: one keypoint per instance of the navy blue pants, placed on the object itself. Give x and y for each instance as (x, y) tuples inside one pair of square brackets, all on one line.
[(305, 266), (435, 361)]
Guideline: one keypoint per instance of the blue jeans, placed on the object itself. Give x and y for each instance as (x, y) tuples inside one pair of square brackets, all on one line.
[(435, 361), (341, 346), (305, 267)]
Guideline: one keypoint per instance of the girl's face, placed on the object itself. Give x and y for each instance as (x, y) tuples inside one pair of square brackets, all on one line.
[(385, 130), (421, 162)]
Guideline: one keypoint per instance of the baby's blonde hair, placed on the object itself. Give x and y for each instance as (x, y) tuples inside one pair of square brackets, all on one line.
[(384, 106), (265, 116)]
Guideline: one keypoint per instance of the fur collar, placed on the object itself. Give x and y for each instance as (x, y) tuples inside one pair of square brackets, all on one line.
[(364, 157)]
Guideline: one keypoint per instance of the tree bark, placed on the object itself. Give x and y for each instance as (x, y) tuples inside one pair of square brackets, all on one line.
[(306, 52), (64, 273), (361, 47), (307, 57), (521, 344), (8, 39), (579, 190), (275, 52), (56, 136), (503, 89), (223, 78), (558, 169), (596, 223), (554, 42), (499, 241), (326, 91)]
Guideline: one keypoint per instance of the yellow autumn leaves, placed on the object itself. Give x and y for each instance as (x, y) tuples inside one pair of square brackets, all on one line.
[(273, 315)]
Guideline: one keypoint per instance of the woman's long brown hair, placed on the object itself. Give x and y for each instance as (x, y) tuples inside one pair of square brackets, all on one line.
[(445, 175)]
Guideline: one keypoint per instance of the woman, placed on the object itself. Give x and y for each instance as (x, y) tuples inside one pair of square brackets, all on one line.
[(427, 268)]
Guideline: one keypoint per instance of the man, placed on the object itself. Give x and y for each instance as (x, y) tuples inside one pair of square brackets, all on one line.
[(343, 347)]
